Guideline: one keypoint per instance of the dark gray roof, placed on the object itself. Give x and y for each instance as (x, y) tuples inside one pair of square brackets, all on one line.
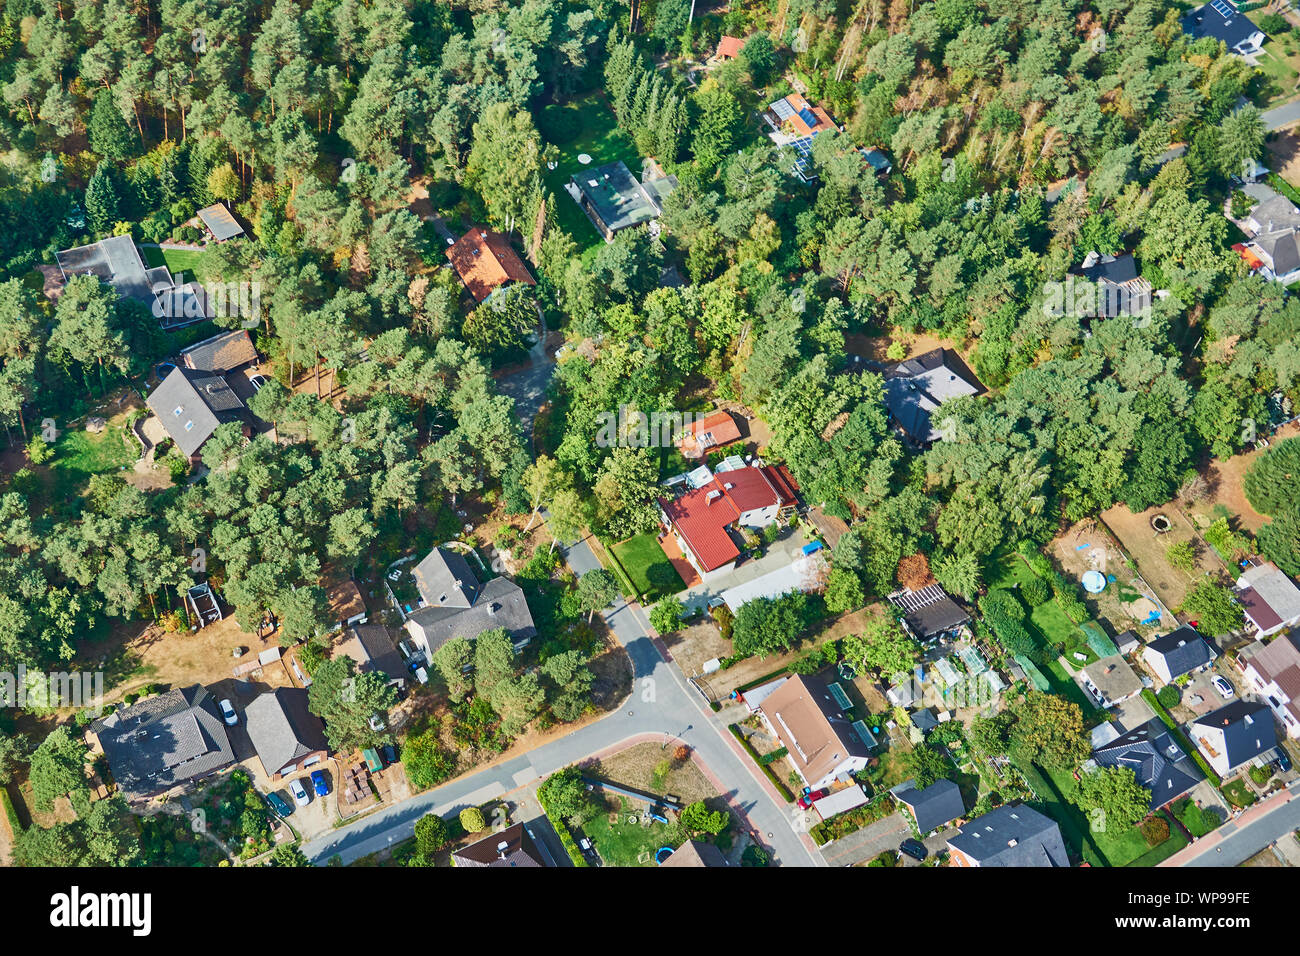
[(1221, 20), (116, 261), (1155, 759), (445, 579), (378, 645), (509, 847), (1116, 269), (1012, 835), (934, 806), (1184, 650), (619, 199), (929, 611), (165, 740), (282, 729), (924, 719), (191, 404), (1283, 248), (1247, 727), (914, 389), (500, 603)]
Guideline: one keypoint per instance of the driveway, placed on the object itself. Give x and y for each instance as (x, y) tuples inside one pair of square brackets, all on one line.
[(1281, 116), (786, 549), (866, 844), (661, 703)]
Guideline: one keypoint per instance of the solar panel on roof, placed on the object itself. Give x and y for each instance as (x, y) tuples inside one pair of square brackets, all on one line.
[(808, 116), (782, 110), (1223, 8), (864, 733), (841, 698)]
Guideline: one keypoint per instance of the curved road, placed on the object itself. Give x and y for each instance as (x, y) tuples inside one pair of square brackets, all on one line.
[(661, 703)]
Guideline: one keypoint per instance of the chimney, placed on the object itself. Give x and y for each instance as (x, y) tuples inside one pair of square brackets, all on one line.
[(501, 849), (1012, 842)]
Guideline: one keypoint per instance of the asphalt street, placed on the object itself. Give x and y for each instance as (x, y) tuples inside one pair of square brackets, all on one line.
[(661, 703)]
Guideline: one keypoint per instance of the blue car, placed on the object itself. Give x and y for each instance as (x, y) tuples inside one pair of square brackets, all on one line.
[(318, 780)]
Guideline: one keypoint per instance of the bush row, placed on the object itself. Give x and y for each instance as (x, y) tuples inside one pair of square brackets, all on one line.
[(771, 775)]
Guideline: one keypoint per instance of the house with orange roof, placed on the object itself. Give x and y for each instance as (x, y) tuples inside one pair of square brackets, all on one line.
[(728, 49), (485, 261), (712, 431), (702, 519)]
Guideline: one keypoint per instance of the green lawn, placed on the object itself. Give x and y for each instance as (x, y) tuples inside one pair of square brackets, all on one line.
[(1238, 793), (1279, 85), (176, 260), (78, 454), (649, 568), (631, 844), (1099, 847), (600, 138), (1199, 821)]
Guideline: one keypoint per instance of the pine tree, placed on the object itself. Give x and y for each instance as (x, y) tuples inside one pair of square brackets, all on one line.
[(109, 135), (103, 205)]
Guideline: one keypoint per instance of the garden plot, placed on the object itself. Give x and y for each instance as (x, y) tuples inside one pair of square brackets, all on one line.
[(1149, 550)]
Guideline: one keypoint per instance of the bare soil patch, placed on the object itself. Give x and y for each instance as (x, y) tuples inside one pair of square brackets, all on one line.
[(652, 767)]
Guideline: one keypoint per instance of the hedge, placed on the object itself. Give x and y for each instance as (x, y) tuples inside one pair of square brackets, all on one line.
[(1149, 696), (14, 823), (624, 579), (774, 756), (749, 749), (562, 829)]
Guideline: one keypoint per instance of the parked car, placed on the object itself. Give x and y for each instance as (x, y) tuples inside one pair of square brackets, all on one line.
[(320, 783), (389, 753), (1223, 687), (278, 803), (299, 793), (1283, 761), (805, 800), (228, 713), (258, 381), (914, 848)]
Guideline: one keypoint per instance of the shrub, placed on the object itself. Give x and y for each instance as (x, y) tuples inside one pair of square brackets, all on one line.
[(1035, 592), (1155, 830), (1169, 696), (471, 818), (1260, 775)]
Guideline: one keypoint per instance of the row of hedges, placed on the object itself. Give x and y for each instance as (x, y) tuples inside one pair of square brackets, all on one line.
[(624, 579), (853, 820), (15, 825), (562, 829), (771, 775), (1167, 719), (1003, 612)]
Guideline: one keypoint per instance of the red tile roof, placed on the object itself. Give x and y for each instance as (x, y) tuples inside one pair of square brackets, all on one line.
[(702, 515), (797, 103), (729, 47), (485, 261), (717, 429)]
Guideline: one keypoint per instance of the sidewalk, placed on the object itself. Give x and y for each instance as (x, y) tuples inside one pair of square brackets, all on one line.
[(1212, 841)]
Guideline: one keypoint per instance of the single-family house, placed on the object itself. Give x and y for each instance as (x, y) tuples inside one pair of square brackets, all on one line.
[(116, 261), (286, 735), (702, 518), (1011, 835), (794, 122), (485, 262), (711, 431), (1270, 599), (614, 200), (219, 223), (1181, 651), (1273, 671), (1156, 760), (728, 49), (929, 613), (1120, 290), (811, 725), (1222, 20), (696, 853), (1111, 681), (191, 405), (933, 807), (454, 603), (512, 846), (221, 353), (915, 388), (164, 742), (1234, 735), (1272, 246), (372, 647)]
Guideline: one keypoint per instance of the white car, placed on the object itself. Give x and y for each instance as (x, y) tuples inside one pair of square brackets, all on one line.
[(257, 381), (1223, 687), (228, 713), (299, 793)]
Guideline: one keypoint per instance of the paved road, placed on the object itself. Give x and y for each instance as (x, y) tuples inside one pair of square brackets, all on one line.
[(661, 703), (1281, 116), (1241, 839)]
